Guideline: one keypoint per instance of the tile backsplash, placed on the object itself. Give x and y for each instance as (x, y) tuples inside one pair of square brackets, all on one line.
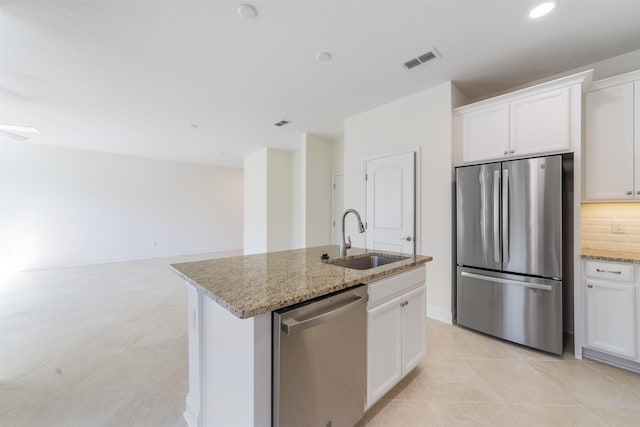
[(599, 221)]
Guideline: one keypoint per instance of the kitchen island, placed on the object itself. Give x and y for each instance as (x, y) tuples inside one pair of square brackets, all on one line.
[(230, 306)]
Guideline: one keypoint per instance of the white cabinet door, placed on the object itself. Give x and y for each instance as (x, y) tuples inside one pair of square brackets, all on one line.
[(608, 143), (540, 123), (384, 349), (637, 140), (611, 319), (485, 134), (413, 328)]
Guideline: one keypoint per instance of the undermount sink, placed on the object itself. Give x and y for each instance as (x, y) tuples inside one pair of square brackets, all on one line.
[(365, 262)]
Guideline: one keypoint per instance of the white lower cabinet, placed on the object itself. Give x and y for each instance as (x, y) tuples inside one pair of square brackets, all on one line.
[(611, 317), (396, 331), (611, 306)]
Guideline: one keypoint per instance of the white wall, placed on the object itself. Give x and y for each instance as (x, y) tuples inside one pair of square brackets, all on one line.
[(337, 156), (267, 198), (279, 200), (310, 167), (318, 191), (422, 121), (255, 202), (64, 206)]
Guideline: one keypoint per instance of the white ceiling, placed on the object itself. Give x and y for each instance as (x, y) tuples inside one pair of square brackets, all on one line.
[(134, 76)]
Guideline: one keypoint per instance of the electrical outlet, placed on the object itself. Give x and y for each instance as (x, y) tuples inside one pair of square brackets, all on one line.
[(618, 226)]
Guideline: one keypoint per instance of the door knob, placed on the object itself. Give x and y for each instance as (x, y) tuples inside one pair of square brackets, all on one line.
[(408, 238)]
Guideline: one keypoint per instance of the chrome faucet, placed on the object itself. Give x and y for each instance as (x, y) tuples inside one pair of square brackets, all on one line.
[(343, 244)]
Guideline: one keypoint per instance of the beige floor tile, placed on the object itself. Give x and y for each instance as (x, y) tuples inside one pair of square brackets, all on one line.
[(15, 364), (618, 417), (407, 389), (555, 415), (149, 410), (622, 376), (20, 408), (64, 371), (402, 413), (515, 381), (71, 409), (473, 414), (587, 385)]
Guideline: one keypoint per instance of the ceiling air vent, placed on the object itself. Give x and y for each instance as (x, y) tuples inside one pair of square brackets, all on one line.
[(281, 123), (432, 54)]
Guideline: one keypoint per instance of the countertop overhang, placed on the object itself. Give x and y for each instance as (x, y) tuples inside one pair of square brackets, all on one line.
[(251, 285), (616, 256)]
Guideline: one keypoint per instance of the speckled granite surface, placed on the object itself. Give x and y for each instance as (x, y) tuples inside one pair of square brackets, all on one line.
[(255, 284), (617, 256)]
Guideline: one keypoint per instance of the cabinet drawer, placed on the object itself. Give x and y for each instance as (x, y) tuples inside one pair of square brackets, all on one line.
[(610, 271), (390, 287)]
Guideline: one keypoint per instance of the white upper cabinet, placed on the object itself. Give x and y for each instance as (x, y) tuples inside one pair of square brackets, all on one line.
[(540, 123), (485, 133), (612, 139), (543, 119), (608, 143)]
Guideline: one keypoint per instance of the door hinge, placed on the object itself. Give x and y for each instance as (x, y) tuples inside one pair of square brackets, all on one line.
[(366, 225), (334, 223), (334, 186), (366, 177)]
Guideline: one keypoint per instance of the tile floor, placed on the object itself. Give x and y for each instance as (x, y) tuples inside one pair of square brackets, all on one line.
[(106, 345)]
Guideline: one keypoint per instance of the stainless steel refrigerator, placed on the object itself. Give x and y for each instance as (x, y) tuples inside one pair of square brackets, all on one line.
[(509, 250)]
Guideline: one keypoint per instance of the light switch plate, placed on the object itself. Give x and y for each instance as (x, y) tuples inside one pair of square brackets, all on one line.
[(618, 226)]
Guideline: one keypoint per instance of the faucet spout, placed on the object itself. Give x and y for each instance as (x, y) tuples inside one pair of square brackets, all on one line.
[(344, 245)]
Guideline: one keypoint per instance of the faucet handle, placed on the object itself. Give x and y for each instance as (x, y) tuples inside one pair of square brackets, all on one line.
[(348, 245)]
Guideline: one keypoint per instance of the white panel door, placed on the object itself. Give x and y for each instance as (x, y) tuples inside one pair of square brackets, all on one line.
[(611, 319), (540, 123), (608, 143), (384, 349), (390, 212), (414, 317), (337, 208)]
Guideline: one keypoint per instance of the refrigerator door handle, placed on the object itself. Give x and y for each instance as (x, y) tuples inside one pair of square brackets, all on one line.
[(507, 281), (496, 215), (505, 216)]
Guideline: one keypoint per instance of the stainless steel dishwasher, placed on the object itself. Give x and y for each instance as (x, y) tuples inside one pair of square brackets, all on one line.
[(319, 361)]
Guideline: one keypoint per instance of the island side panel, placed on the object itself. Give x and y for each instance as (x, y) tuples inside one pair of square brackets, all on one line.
[(234, 370)]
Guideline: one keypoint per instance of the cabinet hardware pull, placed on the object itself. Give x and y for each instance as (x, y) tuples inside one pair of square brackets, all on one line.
[(506, 152), (513, 151), (638, 191), (608, 271), (408, 238), (589, 286), (629, 193)]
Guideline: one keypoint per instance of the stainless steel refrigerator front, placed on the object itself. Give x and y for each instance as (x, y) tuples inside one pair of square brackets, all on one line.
[(509, 246)]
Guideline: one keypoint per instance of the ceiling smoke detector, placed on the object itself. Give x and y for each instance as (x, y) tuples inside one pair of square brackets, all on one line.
[(247, 11), (412, 63), (281, 123)]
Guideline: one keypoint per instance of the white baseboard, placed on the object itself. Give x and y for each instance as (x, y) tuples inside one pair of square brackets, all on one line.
[(437, 313), (190, 414)]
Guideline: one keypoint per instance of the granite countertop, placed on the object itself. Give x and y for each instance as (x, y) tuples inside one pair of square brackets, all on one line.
[(617, 256), (255, 284)]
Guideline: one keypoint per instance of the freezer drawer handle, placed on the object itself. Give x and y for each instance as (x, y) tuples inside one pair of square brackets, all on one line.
[(292, 326), (608, 271), (507, 281)]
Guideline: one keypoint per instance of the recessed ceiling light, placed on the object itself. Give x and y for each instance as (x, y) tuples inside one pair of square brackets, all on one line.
[(542, 9), (324, 56), (193, 125), (247, 11)]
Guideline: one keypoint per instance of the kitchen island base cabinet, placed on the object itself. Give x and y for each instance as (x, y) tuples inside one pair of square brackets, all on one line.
[(229, 366), (396, 331)]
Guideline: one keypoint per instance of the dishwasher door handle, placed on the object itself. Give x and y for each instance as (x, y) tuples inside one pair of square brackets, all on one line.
[(292, 326)]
